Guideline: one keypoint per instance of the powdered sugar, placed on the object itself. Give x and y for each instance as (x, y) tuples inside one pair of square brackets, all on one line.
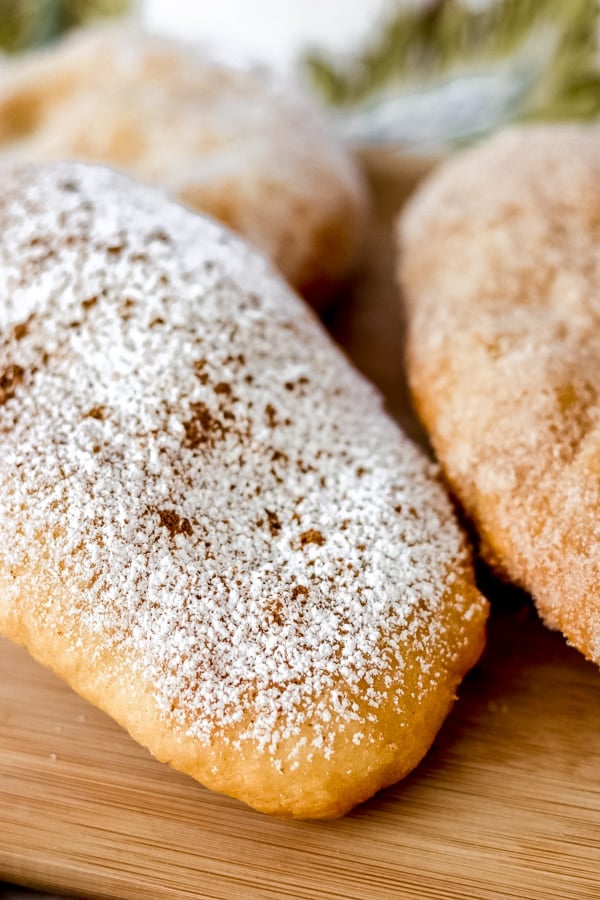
[(233, 508)]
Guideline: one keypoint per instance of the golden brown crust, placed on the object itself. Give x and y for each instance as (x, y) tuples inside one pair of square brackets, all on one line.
[(227, 142), (501, 276), (312, 789)]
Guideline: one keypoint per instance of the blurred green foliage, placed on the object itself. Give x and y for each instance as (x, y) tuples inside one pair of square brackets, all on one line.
[(29, 23), (448, 37)]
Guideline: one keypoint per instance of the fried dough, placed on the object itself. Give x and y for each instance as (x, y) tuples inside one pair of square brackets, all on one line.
[(500, 269), (228, 142), (208, 525)]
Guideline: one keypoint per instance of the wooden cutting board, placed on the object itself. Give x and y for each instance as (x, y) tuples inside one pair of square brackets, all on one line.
[(506, 804)]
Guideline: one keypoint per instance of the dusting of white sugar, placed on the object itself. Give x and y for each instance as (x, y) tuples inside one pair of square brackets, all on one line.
[(236, 511)]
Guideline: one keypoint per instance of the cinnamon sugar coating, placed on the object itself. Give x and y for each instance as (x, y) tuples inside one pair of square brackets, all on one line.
[(208, 525), (500, 266), (227, 142)]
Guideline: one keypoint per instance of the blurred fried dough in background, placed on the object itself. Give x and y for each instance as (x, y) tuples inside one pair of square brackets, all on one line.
[(227, 142)]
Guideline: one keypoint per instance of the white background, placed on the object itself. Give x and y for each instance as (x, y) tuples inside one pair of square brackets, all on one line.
[(274, 32)]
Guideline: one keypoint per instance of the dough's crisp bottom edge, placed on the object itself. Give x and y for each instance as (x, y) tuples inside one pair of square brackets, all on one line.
[(303, 788)]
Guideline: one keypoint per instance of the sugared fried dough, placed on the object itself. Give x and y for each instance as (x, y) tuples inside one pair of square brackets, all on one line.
[(500, 259), (208, 525)]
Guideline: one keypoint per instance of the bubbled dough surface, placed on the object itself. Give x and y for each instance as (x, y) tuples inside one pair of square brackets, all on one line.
[(208, 525), (501, 270), (230, 143)]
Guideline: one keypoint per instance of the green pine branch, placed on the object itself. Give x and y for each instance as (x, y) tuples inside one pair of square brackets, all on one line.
[(418, 46), (29, 23)]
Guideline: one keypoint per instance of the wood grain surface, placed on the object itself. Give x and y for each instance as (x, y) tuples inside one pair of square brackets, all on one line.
[(506, 804)]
